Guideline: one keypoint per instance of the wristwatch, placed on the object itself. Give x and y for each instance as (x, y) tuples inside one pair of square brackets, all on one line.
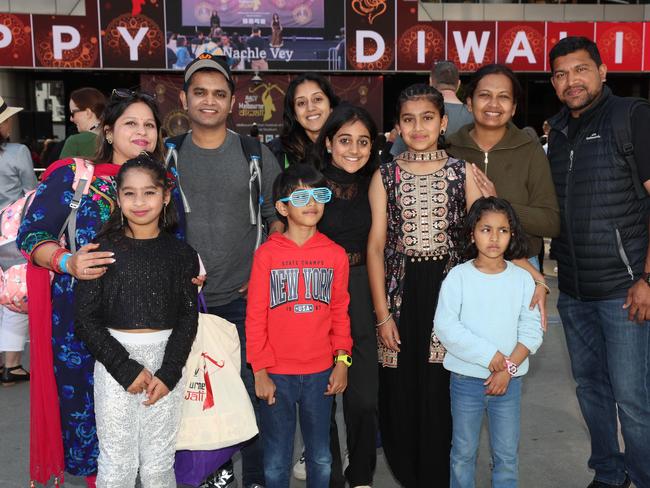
[(343, 358), (511, 367)]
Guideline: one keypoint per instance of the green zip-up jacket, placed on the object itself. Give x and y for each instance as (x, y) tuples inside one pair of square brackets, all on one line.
[(521, 174)]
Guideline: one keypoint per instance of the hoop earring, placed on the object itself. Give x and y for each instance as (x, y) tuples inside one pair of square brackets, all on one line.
[(442, 132), (121, 218)]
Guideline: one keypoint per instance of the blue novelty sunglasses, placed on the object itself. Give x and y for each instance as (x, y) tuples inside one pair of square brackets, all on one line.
[(300, 198)]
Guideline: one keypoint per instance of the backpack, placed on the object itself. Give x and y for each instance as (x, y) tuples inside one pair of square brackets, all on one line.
[(622, 111), (13, 264), (252, 149)]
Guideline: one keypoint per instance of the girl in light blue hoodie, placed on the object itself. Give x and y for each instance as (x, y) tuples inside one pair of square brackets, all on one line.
[(485, 322)]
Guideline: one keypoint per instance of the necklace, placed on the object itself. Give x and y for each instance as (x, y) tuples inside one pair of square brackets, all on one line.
[(438, 155)]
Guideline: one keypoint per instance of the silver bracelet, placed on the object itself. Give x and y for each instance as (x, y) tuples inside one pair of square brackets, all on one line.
[(390, 316)]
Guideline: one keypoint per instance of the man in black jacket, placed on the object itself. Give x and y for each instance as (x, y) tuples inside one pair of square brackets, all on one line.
[(603, 259)]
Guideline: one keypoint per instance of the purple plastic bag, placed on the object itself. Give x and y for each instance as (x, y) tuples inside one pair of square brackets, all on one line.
[(192, 467)]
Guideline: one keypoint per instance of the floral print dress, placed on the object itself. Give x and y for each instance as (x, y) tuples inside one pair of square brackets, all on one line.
[(73, 364)]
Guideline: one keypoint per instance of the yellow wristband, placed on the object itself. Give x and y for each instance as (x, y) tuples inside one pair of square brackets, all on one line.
[(343, 358)]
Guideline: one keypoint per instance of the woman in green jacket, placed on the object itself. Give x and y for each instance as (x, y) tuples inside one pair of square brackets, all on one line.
[(507, 162)]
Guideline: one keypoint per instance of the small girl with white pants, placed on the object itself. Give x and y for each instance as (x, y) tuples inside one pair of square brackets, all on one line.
[(139, 320)]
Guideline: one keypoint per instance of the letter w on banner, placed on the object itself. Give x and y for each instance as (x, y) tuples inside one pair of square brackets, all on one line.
[(471, 44)]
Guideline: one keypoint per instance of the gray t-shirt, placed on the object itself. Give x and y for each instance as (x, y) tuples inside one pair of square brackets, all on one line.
[(457, 115), (215, 183), (16, 173)]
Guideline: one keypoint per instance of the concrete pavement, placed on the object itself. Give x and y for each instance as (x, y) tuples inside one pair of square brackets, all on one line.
[(554, 442)]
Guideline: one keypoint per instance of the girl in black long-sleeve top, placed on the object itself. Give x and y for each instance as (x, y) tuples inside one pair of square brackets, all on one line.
[(139, 321)]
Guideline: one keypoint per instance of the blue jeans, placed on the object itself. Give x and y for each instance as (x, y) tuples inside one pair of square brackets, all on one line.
[(468, 404), (610, 360), (279, 424), (252, 454)]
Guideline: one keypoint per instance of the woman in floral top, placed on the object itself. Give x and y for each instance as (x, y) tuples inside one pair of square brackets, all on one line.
[(130, 125)]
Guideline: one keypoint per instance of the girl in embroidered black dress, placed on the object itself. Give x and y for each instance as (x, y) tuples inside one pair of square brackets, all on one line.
[(139, 320), (347, 156), (418, 202)]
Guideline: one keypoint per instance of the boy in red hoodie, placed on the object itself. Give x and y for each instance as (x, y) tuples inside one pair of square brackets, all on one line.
[(298, 329)]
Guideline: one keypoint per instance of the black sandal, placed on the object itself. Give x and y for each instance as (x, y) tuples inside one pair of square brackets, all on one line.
[(9, 378)]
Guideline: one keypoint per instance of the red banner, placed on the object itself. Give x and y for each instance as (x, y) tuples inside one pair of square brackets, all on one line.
[(521, 45), (556, 31), (620, 45), (471, 44), (379, 35), (419, 44), (133, 34), (15, 40), (67, 41), (370, 35)]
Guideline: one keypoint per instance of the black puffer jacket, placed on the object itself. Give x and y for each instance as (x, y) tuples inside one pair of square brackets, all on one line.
[(603, 238)]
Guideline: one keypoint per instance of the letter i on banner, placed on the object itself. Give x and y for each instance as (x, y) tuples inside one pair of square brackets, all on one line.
[(419, 44), (620, 45)]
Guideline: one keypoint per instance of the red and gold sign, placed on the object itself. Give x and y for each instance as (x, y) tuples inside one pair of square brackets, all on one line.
[(620, 45), (15, 40), (521, 45)]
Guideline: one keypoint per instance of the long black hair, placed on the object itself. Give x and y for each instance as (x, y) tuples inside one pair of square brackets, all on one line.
[(294, 139), (518, 245), (116, 225), (342, 115), (119, 101)]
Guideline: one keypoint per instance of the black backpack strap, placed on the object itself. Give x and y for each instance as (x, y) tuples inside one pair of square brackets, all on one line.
[(253, 152), (622, 111)]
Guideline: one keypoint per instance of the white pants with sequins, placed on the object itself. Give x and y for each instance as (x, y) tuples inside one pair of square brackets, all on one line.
[(133, 436)]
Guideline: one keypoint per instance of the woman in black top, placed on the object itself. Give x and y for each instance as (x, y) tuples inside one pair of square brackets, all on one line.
[(347, 156), (307, 104), (139, 320)]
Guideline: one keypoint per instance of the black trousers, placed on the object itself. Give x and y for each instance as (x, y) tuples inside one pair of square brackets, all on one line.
[(360, 397), (414, 403)]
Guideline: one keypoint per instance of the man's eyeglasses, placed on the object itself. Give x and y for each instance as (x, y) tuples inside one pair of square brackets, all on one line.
[(300, 198), (126, 93)]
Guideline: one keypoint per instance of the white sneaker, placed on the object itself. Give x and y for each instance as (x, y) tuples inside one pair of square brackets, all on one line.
[(299, 469)]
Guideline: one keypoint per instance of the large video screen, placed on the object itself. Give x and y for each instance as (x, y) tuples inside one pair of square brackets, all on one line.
[(247, 13)]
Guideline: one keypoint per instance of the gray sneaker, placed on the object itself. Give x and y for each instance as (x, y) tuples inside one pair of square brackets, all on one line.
[(299, 469)]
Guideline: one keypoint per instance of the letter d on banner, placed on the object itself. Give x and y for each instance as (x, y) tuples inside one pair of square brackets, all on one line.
[(59, 45), (362, 35), (5, 36)]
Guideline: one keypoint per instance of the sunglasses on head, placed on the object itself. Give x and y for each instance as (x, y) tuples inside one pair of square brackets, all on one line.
[(300, 198), (126, 93)]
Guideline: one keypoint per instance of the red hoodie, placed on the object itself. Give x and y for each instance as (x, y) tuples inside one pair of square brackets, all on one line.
[(297, 313)]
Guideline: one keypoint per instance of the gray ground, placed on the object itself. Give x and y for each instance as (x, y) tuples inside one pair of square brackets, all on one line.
[(554, 441)]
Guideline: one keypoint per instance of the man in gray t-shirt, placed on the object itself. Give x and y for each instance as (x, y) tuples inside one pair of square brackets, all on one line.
[(213, 175)]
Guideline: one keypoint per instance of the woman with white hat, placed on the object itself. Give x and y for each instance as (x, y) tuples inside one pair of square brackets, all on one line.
[(16, 178)]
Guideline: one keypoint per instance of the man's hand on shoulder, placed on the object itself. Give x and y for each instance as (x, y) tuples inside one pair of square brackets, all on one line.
[(638, 301)]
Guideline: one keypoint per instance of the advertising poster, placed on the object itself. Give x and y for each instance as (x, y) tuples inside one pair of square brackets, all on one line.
[(305, 14), (370, 33), (521, 45), (261, 103), (133, 34), (67, 41), (419, 44), (280, 45), (620, 45)]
